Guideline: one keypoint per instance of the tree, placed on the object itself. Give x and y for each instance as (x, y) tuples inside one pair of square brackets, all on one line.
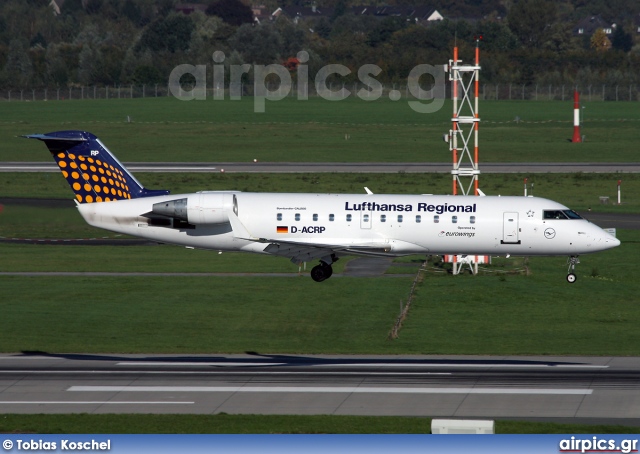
[(172, 33), (147, 75), (383, 29), (38, 40), (87, 63), (531, 20), (93, 6), (71, 7), (621, 40), (233, 12), (261, 45), (599, 40), (131, 11), (18, 68), (339, 10)]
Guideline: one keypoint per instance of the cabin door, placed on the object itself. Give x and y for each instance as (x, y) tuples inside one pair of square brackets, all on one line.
[(510, 228)]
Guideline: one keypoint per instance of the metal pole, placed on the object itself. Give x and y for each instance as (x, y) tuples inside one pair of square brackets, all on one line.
[(619, 184), (454, 126)]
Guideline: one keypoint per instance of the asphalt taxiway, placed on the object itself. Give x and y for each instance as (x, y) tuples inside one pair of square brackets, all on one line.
[(577, 389)]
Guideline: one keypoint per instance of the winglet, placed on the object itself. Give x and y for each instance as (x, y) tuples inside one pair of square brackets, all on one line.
[(368, 191)]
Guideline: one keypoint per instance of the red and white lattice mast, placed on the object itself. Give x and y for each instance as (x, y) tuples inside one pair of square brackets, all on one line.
[(465, 88), (465, 92)]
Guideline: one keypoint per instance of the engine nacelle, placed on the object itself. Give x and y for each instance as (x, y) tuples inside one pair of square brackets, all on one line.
[(204, 208)]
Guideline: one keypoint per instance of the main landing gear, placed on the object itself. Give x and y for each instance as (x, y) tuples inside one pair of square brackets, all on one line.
[(323, 271), (571, 276)]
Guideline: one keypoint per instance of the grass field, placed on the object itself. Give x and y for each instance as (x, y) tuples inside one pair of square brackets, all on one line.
[(165, 129), (500, 312), (258, 424)]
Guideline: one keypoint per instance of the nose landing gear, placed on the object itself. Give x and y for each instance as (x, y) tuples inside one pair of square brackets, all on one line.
[(324, 270), (571, 276)]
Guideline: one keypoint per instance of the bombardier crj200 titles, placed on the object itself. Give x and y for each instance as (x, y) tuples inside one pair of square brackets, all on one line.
[(309, 227)]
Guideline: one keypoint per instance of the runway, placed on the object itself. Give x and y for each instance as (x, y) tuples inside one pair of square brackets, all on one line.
[(603, 390), (346, 167)]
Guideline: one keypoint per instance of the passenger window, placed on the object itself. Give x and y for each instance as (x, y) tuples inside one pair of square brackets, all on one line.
[(348, 218), (297, 216), (365, 218), (399, 218), (279, 217), (383, 218), (418, 219), (315, 217), (454, 219), (472, 219), (331, 217), (436, 219)]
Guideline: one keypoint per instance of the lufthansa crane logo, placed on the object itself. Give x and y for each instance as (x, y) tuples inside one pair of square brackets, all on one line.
[(549, 233)]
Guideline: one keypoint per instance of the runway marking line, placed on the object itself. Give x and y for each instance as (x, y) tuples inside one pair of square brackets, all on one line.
[(46, 402), (328, 389)]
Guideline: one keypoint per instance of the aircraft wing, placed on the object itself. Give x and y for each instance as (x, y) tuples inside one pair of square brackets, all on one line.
[(305, 252)]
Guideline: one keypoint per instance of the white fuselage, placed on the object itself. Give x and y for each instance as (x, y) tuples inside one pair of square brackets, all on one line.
[(387, 224)]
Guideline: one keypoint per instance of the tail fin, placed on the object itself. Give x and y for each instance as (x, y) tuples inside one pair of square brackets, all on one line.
[(94, 174)]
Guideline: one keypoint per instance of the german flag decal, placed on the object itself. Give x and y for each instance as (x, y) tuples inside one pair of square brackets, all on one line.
[(282, 229)]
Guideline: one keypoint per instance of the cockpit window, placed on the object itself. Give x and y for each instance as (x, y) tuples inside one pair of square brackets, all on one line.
[(554, 214), (572, 214), (561, 214)]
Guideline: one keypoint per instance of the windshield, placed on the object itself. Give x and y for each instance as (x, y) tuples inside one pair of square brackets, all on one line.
[(561, 214)]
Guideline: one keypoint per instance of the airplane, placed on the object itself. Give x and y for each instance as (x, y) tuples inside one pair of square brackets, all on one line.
[(323, 227)]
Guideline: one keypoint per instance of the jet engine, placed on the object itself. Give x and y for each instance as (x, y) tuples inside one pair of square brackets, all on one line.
[(202, 208)]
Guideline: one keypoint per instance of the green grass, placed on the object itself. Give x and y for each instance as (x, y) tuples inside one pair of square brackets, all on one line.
[(257, 424), (198, 314), (500, 312), (165, 129), (146, 259)]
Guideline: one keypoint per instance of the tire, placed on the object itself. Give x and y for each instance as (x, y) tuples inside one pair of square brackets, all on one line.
[(320, 273), (571, 278)]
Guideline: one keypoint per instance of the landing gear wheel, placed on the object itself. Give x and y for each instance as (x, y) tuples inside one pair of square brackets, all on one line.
[(572, 261), (321, 272)]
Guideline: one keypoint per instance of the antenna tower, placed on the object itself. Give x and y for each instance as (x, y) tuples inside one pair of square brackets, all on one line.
[(465, 84)]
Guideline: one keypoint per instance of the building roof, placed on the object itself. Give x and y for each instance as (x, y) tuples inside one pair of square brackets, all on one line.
[(590, 24), (412, 13), (417, 13)]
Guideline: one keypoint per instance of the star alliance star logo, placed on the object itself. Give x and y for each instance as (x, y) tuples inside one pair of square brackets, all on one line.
[(530, 213)]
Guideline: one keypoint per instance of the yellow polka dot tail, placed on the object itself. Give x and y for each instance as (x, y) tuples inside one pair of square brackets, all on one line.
[(94, 174)]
